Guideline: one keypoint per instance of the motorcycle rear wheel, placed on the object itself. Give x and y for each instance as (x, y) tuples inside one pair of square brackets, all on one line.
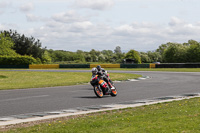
[(98, 91)]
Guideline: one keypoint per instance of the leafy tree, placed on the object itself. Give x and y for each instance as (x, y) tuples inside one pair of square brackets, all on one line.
[(192, 42), (175, 53), (132, 54), (6, 45), (118, 50), (193, 52), (101, 58), (108, 54), (144, 57), (94, 55), (25, 45), (46, 57), (88, 58), (154, 56), (118, 54)]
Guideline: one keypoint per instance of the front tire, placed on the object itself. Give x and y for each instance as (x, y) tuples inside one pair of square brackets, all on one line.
[(98, 91), (113, 92)]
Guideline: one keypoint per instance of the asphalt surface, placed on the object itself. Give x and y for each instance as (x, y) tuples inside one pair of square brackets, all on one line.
[(23, 101)]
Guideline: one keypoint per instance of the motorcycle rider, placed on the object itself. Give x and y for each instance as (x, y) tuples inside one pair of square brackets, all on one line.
[(95, 79), (105, 75)]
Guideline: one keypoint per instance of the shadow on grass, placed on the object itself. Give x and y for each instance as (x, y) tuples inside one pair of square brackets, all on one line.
[(2, 76)]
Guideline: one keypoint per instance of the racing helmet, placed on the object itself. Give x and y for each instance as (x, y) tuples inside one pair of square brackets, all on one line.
[(98, 67), (94, 70)]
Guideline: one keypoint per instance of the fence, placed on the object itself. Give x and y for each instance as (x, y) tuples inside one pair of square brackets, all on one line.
[(56, 66)]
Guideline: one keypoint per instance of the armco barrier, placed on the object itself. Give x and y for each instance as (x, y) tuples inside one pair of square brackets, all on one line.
[(152, 65), (54, 66), (14, 66), (43, 66), (106, 65), (134, 65), (74, 66), (178, 65)]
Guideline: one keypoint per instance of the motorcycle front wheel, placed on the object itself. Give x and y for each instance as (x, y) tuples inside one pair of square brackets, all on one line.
[(113, 92), (98, 91)]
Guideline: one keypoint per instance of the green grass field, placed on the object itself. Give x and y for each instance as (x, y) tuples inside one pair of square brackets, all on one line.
[(172, 117), (159, 69), (30, 79), (145, 69)]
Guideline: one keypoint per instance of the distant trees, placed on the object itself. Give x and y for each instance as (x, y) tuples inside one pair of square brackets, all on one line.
[(105, 56), (8, 56), (193, 52), (14, 44), (27, 46), (175, 53), (6, 45), (132, 54)]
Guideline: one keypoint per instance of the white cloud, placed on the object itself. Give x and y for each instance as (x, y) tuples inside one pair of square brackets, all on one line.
[(176, 21), (8, 26), (70, 29), (31, 17), (3, 4), (85, 35), (34, 18), (27, 7), (95, 4), (68, 17)]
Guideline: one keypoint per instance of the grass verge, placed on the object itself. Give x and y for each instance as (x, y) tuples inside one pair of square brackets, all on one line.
[(159, 69), (145, 69), (2, 76), (30, 79), (178, 116)]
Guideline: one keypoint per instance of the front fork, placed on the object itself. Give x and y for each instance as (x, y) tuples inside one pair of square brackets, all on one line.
[(105, 86)]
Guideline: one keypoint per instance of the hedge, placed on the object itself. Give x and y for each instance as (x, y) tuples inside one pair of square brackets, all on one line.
[(134, 65), (17, 60)]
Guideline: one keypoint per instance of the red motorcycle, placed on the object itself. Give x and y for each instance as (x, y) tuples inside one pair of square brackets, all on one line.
[(101, 88)]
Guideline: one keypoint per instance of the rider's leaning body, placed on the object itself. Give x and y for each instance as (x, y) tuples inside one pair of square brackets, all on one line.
[(105, 76), (95, 78)]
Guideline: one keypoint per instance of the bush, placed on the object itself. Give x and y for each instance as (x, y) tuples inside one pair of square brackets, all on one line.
[(132, 54), (17, 60)]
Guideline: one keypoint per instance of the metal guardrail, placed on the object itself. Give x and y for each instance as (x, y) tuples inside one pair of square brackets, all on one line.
[(55, 66)]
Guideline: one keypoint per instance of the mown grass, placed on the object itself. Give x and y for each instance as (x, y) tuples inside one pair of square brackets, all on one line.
[(173, 117), (145, 69), (2, 76), (159, 69), (30, 79)]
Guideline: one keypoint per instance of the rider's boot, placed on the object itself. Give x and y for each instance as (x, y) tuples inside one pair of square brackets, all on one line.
[(110, 85)]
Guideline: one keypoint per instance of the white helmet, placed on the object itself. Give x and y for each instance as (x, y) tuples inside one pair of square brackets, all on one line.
[(94, 70)]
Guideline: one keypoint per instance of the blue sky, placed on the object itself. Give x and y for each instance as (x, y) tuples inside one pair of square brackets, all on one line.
[(73, 25)]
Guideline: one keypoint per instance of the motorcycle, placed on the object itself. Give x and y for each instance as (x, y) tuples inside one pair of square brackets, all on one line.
[(101, 88)]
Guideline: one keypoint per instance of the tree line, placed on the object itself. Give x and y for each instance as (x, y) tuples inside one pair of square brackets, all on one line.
[(15, 44)]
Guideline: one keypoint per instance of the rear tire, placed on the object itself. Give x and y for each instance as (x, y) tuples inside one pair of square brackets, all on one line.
[(98, 91)]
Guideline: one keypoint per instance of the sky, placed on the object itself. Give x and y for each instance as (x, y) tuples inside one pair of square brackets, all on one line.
[(71, 25)]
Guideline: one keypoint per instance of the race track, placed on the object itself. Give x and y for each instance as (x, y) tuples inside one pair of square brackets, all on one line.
[(26, 101)]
